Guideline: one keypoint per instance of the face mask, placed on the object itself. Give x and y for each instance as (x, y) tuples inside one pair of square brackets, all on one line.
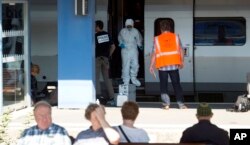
[(129, 28)]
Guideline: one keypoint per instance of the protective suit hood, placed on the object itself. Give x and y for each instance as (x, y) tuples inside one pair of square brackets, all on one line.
[(129, 22)]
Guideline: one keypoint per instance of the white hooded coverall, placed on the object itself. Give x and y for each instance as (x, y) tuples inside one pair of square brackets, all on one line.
[(130, 39)]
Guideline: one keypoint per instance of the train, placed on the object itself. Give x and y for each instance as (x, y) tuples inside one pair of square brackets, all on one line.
[(213, 67)]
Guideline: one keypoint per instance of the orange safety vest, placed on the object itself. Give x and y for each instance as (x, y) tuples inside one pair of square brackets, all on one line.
[(167, 50)]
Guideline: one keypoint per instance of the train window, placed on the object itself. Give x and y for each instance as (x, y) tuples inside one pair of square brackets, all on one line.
[(157, 25), (220, 31)]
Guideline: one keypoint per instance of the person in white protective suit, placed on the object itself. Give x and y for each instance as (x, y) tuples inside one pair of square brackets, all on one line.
[(129, 39)]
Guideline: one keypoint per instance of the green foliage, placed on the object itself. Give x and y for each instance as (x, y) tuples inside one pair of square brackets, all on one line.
[(5, 119), (4, 122)]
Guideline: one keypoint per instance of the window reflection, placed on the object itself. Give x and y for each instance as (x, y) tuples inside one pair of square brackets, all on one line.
[(220, 31), (13, 53)]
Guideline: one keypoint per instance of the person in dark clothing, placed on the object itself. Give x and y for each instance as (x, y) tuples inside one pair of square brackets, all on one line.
[(35, 70), (204, 131), (104, 50), (168, 58), (36, 95)]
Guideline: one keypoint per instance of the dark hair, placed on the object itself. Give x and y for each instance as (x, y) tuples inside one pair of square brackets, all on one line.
[(99, 24), (130, 110), (91, 108), (165, 25)]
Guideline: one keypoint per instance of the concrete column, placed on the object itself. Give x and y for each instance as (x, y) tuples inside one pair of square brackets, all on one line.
[(76, 74)]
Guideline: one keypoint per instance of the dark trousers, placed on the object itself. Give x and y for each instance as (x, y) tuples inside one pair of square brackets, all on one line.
[(175, 79)]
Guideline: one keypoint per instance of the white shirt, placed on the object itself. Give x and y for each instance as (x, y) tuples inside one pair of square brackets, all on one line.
[(133, 134)]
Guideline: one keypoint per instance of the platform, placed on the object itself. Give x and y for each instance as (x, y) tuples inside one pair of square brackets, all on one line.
[(162, 125)]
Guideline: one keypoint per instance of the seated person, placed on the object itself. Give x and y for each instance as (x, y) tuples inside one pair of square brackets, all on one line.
[(35, 94), (127, 131), (204, 131), (45, 132), (100, 132), (35, 69)]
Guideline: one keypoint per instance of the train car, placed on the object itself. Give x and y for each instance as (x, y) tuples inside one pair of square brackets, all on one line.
[(213, 65)]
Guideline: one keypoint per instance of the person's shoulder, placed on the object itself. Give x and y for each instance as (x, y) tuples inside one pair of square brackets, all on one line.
[(84, 132), (136, 130), (191, 128), (142, 132), (172, 34), (59, 128), (29, 131), (101, 33), (220, 129), (105, 32)]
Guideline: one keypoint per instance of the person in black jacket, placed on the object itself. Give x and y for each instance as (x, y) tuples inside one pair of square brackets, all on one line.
[(36, 94), (204, 131), (35, 70), (104, 50)]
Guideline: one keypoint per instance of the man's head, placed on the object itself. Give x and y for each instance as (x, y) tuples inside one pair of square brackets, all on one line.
[(204, 112), (98, 25), (165, 25), (35, 69), (93, 113), (89, 110), (130, 110), (42, 113), (129, 24)]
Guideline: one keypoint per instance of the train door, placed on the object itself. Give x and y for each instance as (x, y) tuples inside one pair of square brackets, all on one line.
[(118, 12), (180, 14)]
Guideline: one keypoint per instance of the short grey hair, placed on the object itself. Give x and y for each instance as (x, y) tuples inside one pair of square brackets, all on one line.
[(42, 103)]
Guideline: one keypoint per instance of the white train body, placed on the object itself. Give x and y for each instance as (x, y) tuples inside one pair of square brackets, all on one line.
[(208, 68)]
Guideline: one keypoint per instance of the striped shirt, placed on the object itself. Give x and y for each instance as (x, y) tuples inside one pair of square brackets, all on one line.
[(54, 135), (169, 68)]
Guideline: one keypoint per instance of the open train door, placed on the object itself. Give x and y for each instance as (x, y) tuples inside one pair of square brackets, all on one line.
[(180, 15)]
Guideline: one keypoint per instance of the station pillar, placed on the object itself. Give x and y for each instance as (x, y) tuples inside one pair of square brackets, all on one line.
[(76, 71)]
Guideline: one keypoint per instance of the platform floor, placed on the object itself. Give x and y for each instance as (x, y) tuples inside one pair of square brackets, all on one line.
[(161, 125)]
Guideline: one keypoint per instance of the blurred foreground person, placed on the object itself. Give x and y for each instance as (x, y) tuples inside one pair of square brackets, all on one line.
[(45, 132), (128, 132), (100, 132), (204, 131)]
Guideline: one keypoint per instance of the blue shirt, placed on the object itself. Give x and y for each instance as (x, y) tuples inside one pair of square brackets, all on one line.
[(54, 135), (91, 134)]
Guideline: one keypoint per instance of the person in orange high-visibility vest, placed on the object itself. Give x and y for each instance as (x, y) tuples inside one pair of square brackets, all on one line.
[(167, 57)]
